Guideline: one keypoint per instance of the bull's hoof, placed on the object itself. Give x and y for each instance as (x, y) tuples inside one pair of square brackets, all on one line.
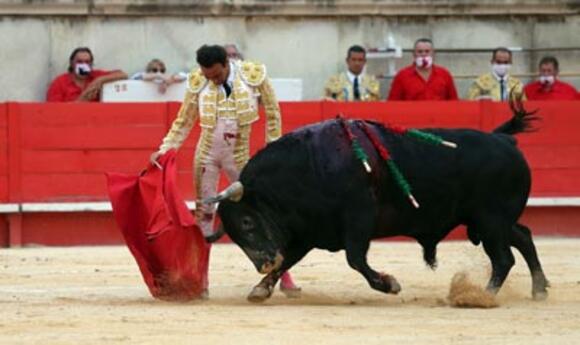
[(539, 295), (291, 292), (259, 294), (391, 284)]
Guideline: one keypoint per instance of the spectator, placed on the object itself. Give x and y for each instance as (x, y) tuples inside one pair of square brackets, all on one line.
[(497, 84), (233, 52), (353, 84), (82, 83), (155, 72), (548, 87), (423, 80)]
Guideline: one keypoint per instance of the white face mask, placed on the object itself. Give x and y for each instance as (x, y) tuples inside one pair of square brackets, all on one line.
[(424, 61), (500, 69), (83, 69), (547, 79)]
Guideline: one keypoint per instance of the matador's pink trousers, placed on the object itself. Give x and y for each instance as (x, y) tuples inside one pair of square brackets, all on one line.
[(208, 164)]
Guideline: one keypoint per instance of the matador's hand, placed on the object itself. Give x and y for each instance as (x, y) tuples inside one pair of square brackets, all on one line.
[(154, 157)]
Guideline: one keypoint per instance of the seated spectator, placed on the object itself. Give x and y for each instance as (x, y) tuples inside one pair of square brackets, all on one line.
[(353, 84), (548, 87), (233, 52), (423, 80), (155, 72), (82, 83), (497, 84)]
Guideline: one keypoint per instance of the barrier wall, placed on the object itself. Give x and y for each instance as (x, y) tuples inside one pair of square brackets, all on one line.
[(3, 153), (54, 153)]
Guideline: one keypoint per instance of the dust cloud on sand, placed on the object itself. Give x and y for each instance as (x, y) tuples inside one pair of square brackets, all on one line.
[(465, 294)]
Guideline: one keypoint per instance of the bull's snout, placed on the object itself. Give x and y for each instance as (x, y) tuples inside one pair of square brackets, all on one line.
[(270, 266), (265, 263)]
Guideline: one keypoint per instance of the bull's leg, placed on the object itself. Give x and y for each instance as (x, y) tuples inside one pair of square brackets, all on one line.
[(521, 238), (264, 289), (358, 234), (496, 243)]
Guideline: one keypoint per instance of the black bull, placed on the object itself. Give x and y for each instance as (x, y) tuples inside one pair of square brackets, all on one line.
[(308, 190)]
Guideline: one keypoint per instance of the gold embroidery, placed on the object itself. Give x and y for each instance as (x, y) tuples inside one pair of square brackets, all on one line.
[(196, 81), (253, 73), (340, 88)]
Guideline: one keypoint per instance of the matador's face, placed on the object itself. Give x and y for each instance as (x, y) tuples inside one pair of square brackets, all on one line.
[(217, 73)]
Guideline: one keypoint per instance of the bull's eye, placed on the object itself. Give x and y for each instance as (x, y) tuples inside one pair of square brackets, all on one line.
[(247, 223)]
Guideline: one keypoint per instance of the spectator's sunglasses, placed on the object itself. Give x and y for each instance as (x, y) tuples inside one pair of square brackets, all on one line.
[(155, 70)]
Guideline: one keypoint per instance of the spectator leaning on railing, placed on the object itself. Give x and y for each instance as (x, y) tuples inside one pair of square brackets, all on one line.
[(548, 87), (497, 84), (81, 83), (423, 80), (155, 72)]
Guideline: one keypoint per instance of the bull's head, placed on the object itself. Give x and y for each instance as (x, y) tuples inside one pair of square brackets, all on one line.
[(249, 228)]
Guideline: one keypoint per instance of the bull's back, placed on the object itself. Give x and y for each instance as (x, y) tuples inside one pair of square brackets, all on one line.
[(455, 186), (316, 170)]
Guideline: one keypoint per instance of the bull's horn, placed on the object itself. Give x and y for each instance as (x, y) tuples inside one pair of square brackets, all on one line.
[(234, 192)]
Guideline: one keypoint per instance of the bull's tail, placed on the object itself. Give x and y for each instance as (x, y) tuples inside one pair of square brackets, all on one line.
[(521, 120)]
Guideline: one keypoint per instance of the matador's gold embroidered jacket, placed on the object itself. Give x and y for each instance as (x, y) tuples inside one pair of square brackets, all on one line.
[(340, 88), (204, 100), (487, 86)]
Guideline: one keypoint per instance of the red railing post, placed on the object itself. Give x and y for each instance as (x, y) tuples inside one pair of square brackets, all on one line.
[(14, 152), (14, 172)]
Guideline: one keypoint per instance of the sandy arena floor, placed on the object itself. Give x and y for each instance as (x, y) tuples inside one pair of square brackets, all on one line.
[(95, 295)]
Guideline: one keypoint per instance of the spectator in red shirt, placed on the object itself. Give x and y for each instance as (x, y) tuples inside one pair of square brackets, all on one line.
[(423, 80), (82, 83), (548, 87)]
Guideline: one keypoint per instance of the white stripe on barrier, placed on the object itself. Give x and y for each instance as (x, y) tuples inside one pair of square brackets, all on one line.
[(105, 206), (562, 201), (8, 208), (67, 207)]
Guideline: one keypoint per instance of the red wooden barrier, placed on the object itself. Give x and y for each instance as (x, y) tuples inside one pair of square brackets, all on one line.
[(65, 148), (4, 238), (59, 152), (553, 151), (3, 152)]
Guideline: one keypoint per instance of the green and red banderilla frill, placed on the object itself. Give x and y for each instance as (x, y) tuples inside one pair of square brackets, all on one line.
[(359, 153), (384, 152)]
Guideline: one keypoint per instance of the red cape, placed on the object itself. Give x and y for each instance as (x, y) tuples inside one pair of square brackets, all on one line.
[(160, 231)]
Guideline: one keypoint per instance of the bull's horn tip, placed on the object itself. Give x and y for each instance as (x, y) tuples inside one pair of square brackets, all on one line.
[(367, 166), (449, 144), (413, 201)]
